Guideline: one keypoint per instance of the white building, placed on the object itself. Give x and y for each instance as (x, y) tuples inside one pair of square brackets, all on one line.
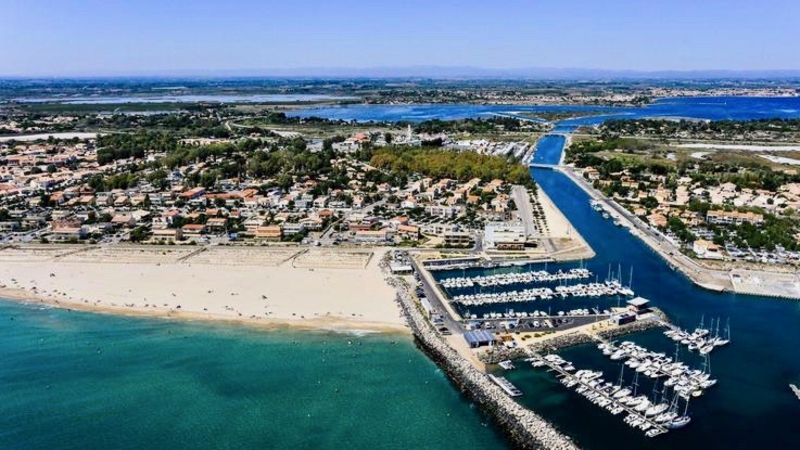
[(505, 236)]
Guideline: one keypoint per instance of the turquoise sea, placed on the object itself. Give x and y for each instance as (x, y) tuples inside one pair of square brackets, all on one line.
[(73, 380)]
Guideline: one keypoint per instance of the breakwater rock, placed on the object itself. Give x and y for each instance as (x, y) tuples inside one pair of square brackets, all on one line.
[(524, 428)]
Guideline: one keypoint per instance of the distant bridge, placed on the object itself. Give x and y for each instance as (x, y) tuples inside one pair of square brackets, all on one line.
[(544, 166)]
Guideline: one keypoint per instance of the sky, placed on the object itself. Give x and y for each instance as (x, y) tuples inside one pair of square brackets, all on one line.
[(162, 37)]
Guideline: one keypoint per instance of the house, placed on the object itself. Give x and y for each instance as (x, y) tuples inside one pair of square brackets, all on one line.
[(734, 217), (192, 194), (290, 229), (443, 211), (251, 223), (123, 220), (193, 229), (67, 230), (312, 223), (408, 231), (272, 233), (591, 174), (439, 229), (706, 249), (657, 220), (216, 224), (167, 234), (160, 223)]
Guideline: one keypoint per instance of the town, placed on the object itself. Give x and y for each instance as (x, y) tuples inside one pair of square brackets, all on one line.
[(713, 209), (260, 188)]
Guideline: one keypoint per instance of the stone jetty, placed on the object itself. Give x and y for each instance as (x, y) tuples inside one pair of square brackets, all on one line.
[(524, 428)]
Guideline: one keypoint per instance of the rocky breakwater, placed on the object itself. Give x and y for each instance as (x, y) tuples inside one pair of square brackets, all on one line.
[(524, 428)]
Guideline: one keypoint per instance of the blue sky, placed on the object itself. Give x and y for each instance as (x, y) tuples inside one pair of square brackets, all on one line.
[(119, 37)]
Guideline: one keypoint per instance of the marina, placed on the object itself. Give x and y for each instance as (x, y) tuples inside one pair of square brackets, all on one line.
[(654, 418), (684, 381), (505, 279), (607, 289)]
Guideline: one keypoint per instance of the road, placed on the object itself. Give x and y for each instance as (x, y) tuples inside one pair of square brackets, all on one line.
[(435, 300), (524, 208)]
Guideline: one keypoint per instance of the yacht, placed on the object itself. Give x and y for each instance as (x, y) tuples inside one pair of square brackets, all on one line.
[(656, 410), (642, 407), (680, 422), (666, 417), (622, 393)]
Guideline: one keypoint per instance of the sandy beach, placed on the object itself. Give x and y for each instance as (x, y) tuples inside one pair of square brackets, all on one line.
[(312, 289)]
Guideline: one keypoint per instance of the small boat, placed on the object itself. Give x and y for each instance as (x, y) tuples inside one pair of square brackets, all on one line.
[(666, 417), (680, 422), (656, 410), (642, 407), (507, 365), (622, 393)]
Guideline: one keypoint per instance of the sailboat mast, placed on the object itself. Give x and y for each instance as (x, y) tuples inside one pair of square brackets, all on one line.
[(630, 279), (728, 328)]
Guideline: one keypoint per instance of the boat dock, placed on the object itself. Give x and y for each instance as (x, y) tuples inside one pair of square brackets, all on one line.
[(702, 339), (592, 290), (686, 382), (506, 386), (505, 279), (592, 389)]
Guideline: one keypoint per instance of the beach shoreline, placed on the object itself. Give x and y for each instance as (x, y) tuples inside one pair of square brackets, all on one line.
[(336, 291), (331, 324)]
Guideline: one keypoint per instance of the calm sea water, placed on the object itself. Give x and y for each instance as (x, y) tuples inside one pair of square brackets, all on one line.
[(71, 380)]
